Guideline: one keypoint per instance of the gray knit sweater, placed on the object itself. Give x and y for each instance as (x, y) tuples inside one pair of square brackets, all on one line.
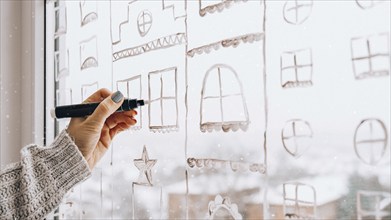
[(34, 187)]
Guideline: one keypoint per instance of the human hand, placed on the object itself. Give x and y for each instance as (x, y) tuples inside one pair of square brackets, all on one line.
[(93, 135)]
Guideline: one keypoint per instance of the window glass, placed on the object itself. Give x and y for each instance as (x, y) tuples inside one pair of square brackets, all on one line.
[(254, 109)]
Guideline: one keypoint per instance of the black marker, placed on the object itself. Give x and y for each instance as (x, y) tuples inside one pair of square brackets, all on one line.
[(82, 110)]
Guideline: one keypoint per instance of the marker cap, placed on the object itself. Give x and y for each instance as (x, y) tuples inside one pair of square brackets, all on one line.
[(53, 113)]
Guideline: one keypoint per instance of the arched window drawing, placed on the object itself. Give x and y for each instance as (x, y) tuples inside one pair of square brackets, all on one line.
[(370, 141), (88, 11), (296, 68), (61, 21), (222, 208), (208, 6), (297, 11), (296, 137), (299, 201), (163, 106), (371, 56), (88, 89), (89, 53), (373, 205), (144, 22), (223, 105), (131, 88), (367, 4)]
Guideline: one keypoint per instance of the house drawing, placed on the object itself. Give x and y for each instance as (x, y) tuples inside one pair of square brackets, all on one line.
[(149, 62), (242, 119), (223, 67)]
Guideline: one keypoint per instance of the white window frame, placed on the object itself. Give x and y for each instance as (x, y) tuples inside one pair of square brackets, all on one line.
[(28, 44)]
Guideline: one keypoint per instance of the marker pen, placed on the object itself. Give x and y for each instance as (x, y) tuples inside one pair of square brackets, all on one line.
[(82, 110)]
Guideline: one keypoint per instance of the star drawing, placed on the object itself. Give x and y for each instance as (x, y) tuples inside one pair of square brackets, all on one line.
[(144, 165)]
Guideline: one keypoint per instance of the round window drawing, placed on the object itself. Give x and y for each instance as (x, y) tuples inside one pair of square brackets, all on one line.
[(370, 141), (297, 11), (144, 22), (367, 4), (296, 137)]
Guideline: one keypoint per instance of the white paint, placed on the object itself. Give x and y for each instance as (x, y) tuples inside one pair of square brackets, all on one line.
[(331, 100)]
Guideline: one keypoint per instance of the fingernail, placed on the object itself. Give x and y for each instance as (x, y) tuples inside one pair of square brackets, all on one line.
[(117, 96), (135, 112)]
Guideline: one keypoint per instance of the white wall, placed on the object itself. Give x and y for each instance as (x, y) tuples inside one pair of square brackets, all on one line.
[(21, 63), (10, 80)]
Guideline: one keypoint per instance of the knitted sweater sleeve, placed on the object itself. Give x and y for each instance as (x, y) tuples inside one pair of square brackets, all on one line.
[(34, 187)]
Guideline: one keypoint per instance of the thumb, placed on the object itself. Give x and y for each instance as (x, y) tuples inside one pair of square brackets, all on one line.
[(107, 107)]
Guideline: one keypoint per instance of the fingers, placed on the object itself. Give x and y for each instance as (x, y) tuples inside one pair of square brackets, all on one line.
[(121, 117), (107, 107), (115, 128), (98, 96), (119, 128), (130, 113), (122, 125)]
